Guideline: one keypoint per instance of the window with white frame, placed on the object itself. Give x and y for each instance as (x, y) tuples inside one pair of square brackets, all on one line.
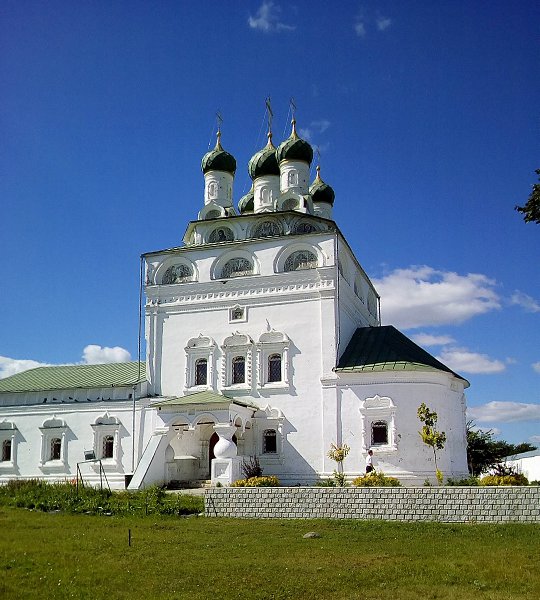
[(269, 425), (269, 441), (200, 363), (6, 450), (379, 433), (107, 439), (53, 443), (237, 361), (273, 360), (8, 433), (238, 370), (201, 371), (379, 424)]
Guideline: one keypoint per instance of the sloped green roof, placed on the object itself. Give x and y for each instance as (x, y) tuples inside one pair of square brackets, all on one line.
[(387, 349), (68, 377), (206, 397)]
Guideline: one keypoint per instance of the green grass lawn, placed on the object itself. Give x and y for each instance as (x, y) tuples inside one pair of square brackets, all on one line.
[(55, 555)]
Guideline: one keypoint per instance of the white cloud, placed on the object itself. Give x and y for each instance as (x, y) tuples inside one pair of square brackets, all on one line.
[(504, 412), (267, 19), (94, 355), (525, 301), (11, 366), (536, 366), (360, 29), (314, 128), (383, 23), (422, 296), (463, 360), (426, 339), (534, 439)]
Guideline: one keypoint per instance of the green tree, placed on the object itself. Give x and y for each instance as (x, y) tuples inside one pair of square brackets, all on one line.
[(430, 435), (484, 453), (531, 209)]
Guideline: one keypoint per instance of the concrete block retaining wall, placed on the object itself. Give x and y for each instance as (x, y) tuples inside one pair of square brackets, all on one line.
[(447, 504)]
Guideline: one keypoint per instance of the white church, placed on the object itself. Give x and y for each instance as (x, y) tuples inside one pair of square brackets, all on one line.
[(263, 339)]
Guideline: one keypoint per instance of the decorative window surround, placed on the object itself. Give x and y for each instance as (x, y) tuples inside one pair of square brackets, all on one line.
[(236, 346), (53, 429), (202, 347), (105, 427), (238, 314), (8, 432), (374, 410), (266, 420), (272, 343)]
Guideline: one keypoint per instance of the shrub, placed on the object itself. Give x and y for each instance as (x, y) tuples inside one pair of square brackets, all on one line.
[(376, 479), (516, 479), (468, 481), (39, 495), (268, 481), (251, 468)]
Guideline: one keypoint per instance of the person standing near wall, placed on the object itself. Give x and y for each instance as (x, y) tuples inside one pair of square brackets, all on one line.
[(369, 461)]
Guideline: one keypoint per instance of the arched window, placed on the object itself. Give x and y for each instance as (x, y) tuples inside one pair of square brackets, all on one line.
[(269, 441), (201, 371), (238, 369), (266, 195), (237, 267), (221, 234), (212, 189), (379, 433), (302, 259), (267, 229), (292, 178), (290, 204), (108, 447), (56, 449), (212, 214), (6, 451), (177, 274), (274, 367)]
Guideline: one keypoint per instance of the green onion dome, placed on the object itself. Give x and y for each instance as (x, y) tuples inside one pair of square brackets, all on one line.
[(246, 203), (320, 191), (264, 162), (218, 159), (294, 148)]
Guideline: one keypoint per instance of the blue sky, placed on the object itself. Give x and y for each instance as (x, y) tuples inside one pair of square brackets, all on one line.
[(426, 114)]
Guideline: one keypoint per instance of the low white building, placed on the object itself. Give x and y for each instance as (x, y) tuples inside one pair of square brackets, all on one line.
[(263, 339), (527, 463)]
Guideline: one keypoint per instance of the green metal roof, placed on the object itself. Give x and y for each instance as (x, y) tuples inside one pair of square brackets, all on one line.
[(387, 349), (68, 377), (206, 397)]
